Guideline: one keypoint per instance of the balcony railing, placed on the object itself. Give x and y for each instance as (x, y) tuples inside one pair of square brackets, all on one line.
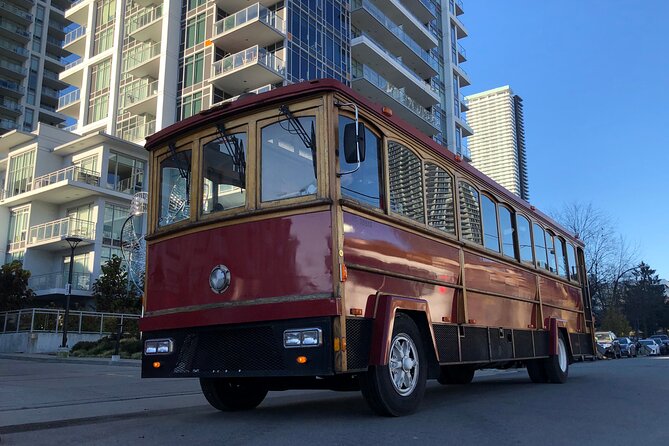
[(50, 92), (73, 64), (143, 19), (429, 4), (137, 57), (16, 11), (46, 319), (8, 124), (74, 35), (59, 229), (139, 132), (11, 105), (55, 42), (253, 12), (14, 29), (80, 281), (73, 173), (259, 90), (14, 49), (11, 86), (248, 57), (141, 92), (69, 98), (19, 244), (130, 185), (16, 68)]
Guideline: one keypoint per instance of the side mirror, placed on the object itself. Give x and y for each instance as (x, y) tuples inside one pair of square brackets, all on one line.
[(352, 142)]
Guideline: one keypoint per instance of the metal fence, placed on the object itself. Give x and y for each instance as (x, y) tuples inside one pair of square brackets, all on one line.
[(51, 320)]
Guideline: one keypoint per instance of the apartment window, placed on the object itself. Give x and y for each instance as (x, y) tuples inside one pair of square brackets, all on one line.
[(194, 69), (81, 275), (104, 26), (100, 76), (115, 216), (104, 40), (470, 213), (20, 174), (28, 119), (406, 182), (18, 229), (125, 174), (98, 109), (106, 11), (192, 4), (89, 164), (107, 252), (30, 97), (439, 198), (191, 105), (195, 32)]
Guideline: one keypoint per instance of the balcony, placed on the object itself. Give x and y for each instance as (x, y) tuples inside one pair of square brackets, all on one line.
[(13, 31), (16, 52), (73, 74), (372, 85), (462, 54), (459, 7), (253, 24), (56, 28), (424, 10), (12, 69), (365, 15), (247, 70), (55, 282), (419, 31), (52, 80), (11, 89), (462, 74), (461, 122), (142, 99), (18, 15), (52, 235), (460, 30), (139, 132), (262, 89), (392, 68), (146, 25), (7, 125), (143, 62), (78, 12), (55, 47), (49, 96), (464, 107), (75, 41), (10, 108), (232, 6), (70, 104)]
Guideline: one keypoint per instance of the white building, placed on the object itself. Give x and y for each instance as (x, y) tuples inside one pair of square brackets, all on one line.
[(498, 145)]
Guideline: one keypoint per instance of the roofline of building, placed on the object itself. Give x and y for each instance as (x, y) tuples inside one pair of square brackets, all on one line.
[(490, 92)]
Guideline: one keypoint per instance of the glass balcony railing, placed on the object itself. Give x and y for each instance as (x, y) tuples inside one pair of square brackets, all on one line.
[(140, 92), (247, 57), (74, 35), (8, 124), (69, 98), (58, 26), (46, 91), (16, 68), (55, 42), (80, 281), (144, 18), (13, 28), (73, 64), (14, 49), (397, 31), (73, 173), (16, 11), (246, 15), (139, 132), (59, 229), (259, 90), (360, 71), (138, 56), (11, 105), (11, 86)]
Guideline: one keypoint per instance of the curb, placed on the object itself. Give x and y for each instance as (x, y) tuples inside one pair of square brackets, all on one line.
[(70, 360)]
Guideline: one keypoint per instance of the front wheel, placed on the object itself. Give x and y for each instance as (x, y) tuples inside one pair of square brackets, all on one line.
[(557, 366), (397, 388), (232, 395)]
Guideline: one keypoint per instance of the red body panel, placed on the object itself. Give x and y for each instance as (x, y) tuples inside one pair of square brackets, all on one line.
[(284, 257), (493, 276)]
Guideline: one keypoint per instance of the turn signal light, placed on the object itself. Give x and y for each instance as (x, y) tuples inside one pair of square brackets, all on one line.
[(356, 311), (301, 359), (387, 111), (156, 365)]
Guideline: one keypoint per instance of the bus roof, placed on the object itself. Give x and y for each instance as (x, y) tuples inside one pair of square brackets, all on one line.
[(304, 89)]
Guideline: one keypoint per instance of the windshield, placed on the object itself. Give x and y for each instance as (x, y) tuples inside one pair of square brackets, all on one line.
[(175, 188), (605, 337), (224, 173), (647, 342)]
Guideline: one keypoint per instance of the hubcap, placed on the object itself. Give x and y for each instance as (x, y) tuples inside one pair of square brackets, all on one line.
[(562, 355), (403, 365)]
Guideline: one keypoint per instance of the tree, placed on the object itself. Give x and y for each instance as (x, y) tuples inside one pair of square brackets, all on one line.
[(645, 301), (112, 291), (14, 291), (614, 320)]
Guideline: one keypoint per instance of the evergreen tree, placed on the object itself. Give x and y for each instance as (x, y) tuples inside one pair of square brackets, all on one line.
[(644, 300), (14, 291), (113, 292)]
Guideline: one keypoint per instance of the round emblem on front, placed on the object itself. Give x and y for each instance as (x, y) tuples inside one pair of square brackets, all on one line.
[(219, 279)]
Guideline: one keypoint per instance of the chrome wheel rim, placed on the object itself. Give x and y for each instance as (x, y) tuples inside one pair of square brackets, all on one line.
[(403, 365), (562, 355)]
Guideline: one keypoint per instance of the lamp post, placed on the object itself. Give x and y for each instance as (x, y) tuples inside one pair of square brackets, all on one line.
[(73, 242)]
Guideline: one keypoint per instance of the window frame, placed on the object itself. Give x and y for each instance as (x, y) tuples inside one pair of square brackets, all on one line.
[(421, 160), (465, 180), (454, 197), (495, 203), (157, 186)]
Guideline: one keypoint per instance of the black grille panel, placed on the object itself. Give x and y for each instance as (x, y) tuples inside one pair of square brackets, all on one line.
[(358, 342), (501, 344), (475, 344), (575, 343), (541, 343), (581, 343), (250, 349), (447, 342), (523, 343)]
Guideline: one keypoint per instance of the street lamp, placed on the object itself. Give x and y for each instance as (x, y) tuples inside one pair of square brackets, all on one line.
[(73, 242)]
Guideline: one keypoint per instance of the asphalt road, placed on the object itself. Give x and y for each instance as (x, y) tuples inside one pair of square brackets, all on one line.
[(615, 402)]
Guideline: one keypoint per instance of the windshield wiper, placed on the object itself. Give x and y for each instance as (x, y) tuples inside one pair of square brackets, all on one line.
[(296, 128), (180, 162), (235, 149)]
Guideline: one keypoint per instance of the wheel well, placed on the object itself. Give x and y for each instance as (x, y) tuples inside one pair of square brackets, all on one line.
[(567, 341), (420, 319)]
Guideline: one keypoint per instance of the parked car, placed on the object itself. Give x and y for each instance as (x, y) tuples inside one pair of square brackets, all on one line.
[(664, 339), (627, 347), (607, 344), (651, 346)]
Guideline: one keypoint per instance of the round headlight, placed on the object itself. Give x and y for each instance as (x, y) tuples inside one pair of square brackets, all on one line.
[(219, 279)]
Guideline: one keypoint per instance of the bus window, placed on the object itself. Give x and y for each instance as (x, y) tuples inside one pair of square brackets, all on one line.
[(571, 257), (175, 176), (224, 173), (550, 249), (490, 234), (561, 258), (439, 196), (524, 239), (470, 213), (363, 184), (406, 182), (540, 247), (506, 225), (288, 168)]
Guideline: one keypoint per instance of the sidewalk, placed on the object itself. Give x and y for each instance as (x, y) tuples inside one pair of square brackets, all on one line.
[(70, 360)]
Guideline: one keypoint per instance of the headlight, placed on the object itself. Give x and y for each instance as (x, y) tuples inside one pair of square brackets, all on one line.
[(306, 337), (158, 347), (219, 279)]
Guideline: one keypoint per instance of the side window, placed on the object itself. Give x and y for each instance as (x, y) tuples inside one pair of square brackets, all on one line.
[(540, 247), (439, 196), (571, 257), (175, 176), (470, 213), (288, 168), (524, 239), (364, 184), (224, 173), (560, 253), (506, 226), (406, 182), (550, 249), (490, 234)]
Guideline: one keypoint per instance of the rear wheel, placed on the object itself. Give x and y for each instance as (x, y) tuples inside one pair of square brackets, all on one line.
[(231, 395), (557, 366), (397, 388), (537, 371), (456, 374)]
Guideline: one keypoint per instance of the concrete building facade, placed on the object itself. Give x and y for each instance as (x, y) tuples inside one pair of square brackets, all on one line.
[(498, 145)]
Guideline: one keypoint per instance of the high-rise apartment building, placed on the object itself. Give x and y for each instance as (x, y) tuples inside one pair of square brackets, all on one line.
[(31, 45), (145, 64), (498, 144)]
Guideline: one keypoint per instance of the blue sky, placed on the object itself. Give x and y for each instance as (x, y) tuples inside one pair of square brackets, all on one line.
[(594, 78)]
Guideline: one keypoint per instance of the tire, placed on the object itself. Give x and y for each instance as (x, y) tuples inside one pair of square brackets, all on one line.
[(557, 366), (456, 374), (232, 395), (397, 388), (537, 371)]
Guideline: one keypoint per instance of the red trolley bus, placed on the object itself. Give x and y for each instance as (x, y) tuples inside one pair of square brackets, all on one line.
[(307, 238)]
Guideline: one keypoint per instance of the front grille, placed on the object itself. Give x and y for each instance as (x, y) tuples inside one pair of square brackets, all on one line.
[(358, 342), (447, 342)]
